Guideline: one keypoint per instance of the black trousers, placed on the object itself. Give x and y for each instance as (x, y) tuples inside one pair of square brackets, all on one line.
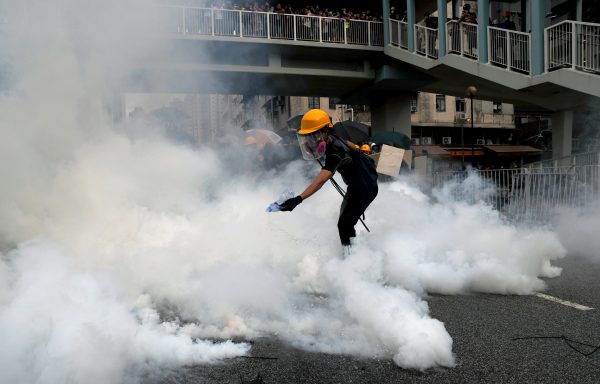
[(354, 205)]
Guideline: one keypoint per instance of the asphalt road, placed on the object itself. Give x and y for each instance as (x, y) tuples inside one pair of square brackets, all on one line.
[(483, 328)]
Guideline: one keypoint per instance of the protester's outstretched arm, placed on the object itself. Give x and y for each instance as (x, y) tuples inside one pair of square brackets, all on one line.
[(316, 184)]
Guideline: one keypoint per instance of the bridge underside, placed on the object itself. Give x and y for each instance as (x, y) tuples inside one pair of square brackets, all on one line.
[(206, 81), (225, 67)]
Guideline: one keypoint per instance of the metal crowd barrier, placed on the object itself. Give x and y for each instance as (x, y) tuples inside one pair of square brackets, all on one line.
[(584, 158), (462, 39), (523, 194), (509, 49), (573, 44), (426, 41), (225, 22)]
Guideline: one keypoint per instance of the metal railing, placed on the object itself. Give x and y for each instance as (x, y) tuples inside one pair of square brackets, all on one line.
[(426, 41), (586, 144), (586, 158), (572, 44), (509, 49), (399, 33), (462, 39), (247, 24), (522, 194)]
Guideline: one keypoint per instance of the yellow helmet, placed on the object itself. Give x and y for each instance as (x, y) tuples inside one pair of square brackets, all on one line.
[(365, 148), (314, 120)]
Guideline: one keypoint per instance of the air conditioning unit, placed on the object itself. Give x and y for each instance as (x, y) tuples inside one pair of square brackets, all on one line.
[(480, 141), (461, 116), (413, 108), (416, 141), (426, 140), (446, 140)]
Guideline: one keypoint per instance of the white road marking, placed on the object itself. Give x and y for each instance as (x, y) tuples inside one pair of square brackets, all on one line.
[(563, 302)]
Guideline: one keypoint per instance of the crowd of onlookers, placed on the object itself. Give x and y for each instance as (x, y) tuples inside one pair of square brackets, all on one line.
[(308, 10)]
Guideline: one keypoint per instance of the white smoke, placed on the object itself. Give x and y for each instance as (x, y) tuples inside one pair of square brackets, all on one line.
[(123, 251), (576, 229)]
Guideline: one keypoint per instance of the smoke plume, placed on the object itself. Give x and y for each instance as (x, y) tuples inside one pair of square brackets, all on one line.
[(124, 253)]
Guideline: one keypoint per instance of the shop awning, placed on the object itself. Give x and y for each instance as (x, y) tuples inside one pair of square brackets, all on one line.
[(508, 150), (430, 150)]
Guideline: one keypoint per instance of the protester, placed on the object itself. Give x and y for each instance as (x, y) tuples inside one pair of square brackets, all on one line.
[(316, 141), (467, 16), (507, 22), (430, 21)]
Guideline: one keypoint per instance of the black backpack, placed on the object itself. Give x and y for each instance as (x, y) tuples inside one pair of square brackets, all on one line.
[(367, 171)]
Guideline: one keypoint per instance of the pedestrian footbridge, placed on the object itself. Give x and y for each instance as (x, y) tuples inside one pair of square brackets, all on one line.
[(307, 55), (571, 61)]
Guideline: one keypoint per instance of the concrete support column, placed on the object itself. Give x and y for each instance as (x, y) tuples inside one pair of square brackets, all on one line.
[(538, 23), (386, 22), (412, 19), (483, 21), (442, 7), (562, 134), (114, 105), (391, 113)]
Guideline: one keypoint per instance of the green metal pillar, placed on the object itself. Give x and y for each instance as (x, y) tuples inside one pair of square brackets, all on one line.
[(538, 23), (411, 14), (579, 10), (386, 22), (483, 21), (442, 7)]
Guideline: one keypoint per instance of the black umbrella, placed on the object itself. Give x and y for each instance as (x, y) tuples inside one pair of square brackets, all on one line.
[(293, 122), (396, 139), (352, 130)]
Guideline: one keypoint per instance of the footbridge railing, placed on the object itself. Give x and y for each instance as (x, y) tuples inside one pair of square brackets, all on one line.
[(509, 49), (462, 39), (399, 33), (569, 44), (574, 45), (426, 41), (196, 21)]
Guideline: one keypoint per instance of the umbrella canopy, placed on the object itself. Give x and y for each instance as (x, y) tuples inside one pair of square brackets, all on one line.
[(352, 130), (294, 122), (263, 136), (396, 139)]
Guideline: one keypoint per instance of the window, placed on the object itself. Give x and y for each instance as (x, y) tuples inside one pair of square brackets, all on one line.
[(413, 103), (497, 107), (314, 102), (331, 103), (440, 103), (461, 106)]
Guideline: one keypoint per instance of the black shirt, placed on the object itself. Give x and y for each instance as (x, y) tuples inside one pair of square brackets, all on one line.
[(357, 170)]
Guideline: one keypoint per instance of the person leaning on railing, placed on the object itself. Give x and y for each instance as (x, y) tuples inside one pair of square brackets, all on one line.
[(469, 17)]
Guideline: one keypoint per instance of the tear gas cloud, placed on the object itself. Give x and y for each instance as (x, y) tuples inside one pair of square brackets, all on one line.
[(124, 253), (577, 230)]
